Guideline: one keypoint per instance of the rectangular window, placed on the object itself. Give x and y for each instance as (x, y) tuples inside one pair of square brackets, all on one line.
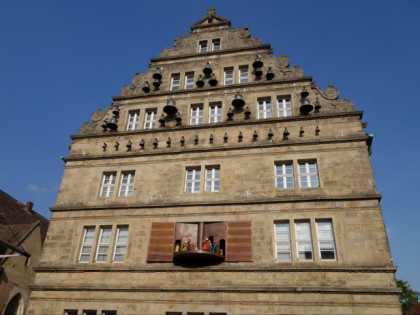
[(308, 174), (120, 246), (150, 119), (202, 46), (215, 44), (284, 106), (89, 312), (189, 80), (127, 184), (282, 236), (326, 241), (303, 240), (109, 313), (215, 112), (87, 244), (175, 82), (108, 184), (70, 312), (212, 183), (228, 76), (264, 108), (192, 180), (284, 175), (104, 241), (133, 120), (243, 74), (196, 115)]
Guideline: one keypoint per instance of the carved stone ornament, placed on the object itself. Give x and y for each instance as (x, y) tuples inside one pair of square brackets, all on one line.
[(330, 93), (87, 128), (283, 62), (97, 115), (343, 106), (297, 72)]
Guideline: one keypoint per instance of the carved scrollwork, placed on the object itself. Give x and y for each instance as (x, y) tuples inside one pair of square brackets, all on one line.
[(126, 91), (97, 115), (297, 72), (282, 62), (242, 32), (87, 128), (330, 93), (343, 105)]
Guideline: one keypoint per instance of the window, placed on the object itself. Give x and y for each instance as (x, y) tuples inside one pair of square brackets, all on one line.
[(70, 312), (243, 74), (175, 82), (215, 44), (212, 183), (189, 80), (282, 236), (127, 184), (150, 119), (192, 180), (264, 108), (228, 76), (133, 120), (87, 243), (202, 46), (103, 244), (326, 241), (215, 113), (89, 312), (303, 240), (284, 106), (308, 174), (108, 184), (109, 313), (284, 175), (120, 246), (196, 115)]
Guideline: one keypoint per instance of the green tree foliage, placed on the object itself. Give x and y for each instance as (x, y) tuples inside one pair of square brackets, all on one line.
[(408, 296)]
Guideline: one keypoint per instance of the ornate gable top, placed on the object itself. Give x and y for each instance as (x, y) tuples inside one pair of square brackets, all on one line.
[(210, 20)]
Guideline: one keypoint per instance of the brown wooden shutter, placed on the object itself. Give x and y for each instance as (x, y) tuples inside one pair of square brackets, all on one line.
[(239, 241), (161, 244)]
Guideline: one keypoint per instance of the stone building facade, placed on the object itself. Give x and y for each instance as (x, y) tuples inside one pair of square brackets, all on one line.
[(221, 181)]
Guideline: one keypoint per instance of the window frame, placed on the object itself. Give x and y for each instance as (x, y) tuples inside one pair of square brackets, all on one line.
[(325, 240), (103, 244), (189, 83), (150, 118), (212, 183), (127, 189), (287, 241), (196, 114), (175, 82), (284, 176), (284, 106), (244, 69), (311, 178), (217, 114), (215, 41), (195, 182), (203, 46), (303, 241), (266, 112), (133, 120), (107, 189), (120, 244), (231, 72), (84, 244)]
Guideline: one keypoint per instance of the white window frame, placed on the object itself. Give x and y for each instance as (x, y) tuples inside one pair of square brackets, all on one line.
[(228, 76), (325, 236), (189, 80), (133, 120), (196, 117), (308, 174), (284, 106), (175, 82), (283, 245), (203, 46), (215, 113), (150, 119), (121, 239), (195, 180), (104, 244), (126, 184), (212, 179), (284, 175), (88, 241), (243, 74), (108, 185), (265, 108), (304, 244), (216, 44)]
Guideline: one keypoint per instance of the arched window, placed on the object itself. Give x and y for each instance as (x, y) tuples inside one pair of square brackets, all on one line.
[(15, 306)]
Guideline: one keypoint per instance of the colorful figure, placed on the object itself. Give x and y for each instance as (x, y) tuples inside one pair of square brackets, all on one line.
[(214, 247), (206, 244)]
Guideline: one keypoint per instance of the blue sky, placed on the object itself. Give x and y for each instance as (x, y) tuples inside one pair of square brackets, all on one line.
[(61, 60)]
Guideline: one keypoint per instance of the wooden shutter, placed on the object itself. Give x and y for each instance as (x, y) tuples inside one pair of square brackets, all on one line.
[(161, 244), (239, 241)]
